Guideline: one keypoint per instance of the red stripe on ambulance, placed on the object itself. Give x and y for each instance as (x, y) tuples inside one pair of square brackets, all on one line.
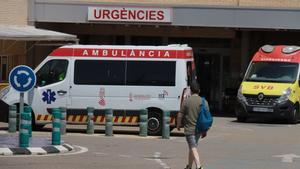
[(123, 53)]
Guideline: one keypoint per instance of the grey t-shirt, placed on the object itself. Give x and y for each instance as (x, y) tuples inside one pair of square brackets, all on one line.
[(190, 111)]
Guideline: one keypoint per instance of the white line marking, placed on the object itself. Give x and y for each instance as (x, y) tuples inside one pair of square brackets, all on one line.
[(287, 158), (125, 156), (159, 161), (103, 154)]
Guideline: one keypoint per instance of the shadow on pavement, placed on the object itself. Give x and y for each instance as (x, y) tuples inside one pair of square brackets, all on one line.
[(120, 130), (263, 121)]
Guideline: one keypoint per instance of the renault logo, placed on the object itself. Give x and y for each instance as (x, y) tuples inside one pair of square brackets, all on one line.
[(260, 96)]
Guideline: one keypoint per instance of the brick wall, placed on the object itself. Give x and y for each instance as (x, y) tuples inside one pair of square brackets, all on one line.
[(13, 12)]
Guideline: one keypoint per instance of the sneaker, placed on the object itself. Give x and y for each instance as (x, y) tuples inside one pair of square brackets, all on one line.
[(187, 167), (200, 167)]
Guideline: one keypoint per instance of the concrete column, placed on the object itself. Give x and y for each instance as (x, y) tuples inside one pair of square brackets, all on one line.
[(245, 50)]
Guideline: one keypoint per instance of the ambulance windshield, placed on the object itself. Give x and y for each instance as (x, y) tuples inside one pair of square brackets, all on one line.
[(281, 72)]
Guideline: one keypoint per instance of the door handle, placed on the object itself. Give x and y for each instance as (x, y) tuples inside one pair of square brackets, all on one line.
[(61, 92)]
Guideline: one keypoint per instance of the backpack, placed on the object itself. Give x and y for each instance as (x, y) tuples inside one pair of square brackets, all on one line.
[(205, 119)]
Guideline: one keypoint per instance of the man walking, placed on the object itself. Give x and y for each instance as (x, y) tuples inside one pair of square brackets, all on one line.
[(188, 115)]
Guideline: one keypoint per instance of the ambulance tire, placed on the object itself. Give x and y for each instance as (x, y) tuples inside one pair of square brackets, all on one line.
[(35, 127), (294, 115), (154, 122)]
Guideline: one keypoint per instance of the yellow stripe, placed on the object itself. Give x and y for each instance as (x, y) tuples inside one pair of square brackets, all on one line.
[(77, 118), (70, 118), (49, 118), (98, 119), (84, 118), (120, 119), (42, 117), (134, 119)]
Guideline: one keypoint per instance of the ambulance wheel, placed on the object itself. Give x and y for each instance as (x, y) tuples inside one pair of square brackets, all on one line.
[(154, 122), (35, 127), (294, 115)]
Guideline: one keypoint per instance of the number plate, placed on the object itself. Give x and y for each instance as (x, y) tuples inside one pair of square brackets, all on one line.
[(262, 109)]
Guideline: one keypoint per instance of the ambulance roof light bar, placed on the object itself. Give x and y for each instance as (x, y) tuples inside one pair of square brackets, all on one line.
[(267, 48), (290, 49)]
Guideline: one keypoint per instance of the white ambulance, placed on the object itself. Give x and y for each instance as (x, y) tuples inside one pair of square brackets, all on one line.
[(123, 78)]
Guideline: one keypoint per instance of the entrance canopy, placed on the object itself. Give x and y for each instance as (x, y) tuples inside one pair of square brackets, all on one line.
[(30, 33)]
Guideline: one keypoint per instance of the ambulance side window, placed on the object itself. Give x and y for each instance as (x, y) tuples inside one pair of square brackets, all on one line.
[(51, 72)]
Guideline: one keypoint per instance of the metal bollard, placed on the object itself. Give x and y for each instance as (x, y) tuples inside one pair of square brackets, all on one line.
[(56, 116), (24, 133), (27, 109), (143, 122), (166, 125), (12, 121), (63, 127), (109, 122), (90, 121)]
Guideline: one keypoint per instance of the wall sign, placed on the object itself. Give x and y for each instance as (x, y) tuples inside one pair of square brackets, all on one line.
[(130, 14)]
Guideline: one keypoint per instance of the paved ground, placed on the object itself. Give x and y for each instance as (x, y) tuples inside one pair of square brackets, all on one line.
[(229, 145)]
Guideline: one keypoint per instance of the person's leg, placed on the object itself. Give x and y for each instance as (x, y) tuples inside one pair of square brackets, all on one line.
[(189, 139), (195, 152), (195, 157), (191, 158)]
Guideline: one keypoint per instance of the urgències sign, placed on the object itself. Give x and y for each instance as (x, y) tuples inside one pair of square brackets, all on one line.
[(130, 14)]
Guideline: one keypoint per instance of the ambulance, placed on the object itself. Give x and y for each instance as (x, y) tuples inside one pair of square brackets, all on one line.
[(125, 79), (271, 86)]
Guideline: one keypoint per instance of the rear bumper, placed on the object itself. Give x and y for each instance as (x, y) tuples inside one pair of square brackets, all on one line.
[(4, 108)]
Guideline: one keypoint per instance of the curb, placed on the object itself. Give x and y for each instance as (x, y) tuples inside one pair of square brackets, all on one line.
[(51, 149)]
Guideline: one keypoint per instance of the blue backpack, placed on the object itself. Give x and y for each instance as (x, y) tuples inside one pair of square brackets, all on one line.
[(205, 119)]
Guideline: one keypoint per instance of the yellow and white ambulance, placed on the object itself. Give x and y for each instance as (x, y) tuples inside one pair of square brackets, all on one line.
[(271, 85)]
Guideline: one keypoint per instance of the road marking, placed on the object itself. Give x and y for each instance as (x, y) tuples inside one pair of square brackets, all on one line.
[(102, 154), (159, 161), (125, 156), (237, 128), (287, 158)]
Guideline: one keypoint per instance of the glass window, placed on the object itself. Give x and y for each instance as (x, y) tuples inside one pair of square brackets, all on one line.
[(272, 72), (151, 73), (99, 72), (51, 72)]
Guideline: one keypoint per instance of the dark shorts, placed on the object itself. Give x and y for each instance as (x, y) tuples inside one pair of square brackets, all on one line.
[(192, 140)]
